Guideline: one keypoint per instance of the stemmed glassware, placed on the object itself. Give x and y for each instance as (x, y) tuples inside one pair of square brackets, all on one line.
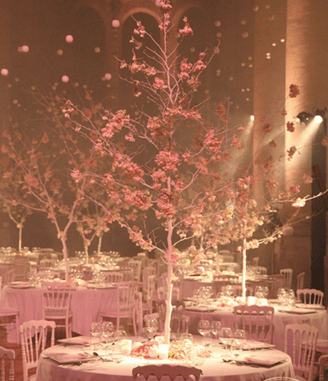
[(225, 336), (152, 326), (215, 328), (204, 328), (95, 331), (239, 337)]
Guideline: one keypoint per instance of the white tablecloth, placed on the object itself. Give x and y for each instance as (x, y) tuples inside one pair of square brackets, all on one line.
[(86, 305), (213, 368), (318, 319)]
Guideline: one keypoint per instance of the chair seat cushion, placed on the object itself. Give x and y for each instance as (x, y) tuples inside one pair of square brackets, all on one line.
[(6, 311), (55, 313)]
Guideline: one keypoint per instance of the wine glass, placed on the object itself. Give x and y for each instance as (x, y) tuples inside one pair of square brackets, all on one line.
[(225, 336), (204, 327), (215, 328), (152, 326), (239, 337), (266, 291), (107, 331), (95, 331)]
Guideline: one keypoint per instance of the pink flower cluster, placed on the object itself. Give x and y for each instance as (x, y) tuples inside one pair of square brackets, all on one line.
[(186, 30), (293, 91), (168, 160), (118, 120)]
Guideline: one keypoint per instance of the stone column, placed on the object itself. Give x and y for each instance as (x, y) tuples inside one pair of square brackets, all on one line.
[(269, 103), (306, 63)]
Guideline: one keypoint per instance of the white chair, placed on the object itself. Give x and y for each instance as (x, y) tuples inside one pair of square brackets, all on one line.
[(170, 371), (21, 268), (123, 305), (113, 277), (260, 270), (300, 281), (138, 313), (288, 277), (179, 323), (9, 318), (323, 363), (57, 304), (149, 292), (33, 341), (310, 296), (275, 281), (135, 265), (300, 345), (11, 355), (257, 321), (162, 293), (255, 261)]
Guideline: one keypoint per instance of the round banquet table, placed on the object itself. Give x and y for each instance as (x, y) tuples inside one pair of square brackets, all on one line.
[(318, 319), (85, 305), (213, 368)]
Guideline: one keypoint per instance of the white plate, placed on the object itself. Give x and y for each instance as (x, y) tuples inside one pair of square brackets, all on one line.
[(311, 306), (100, 286), (78, 340), (65, 358), (20, 285), (252, 345), (299, 311)]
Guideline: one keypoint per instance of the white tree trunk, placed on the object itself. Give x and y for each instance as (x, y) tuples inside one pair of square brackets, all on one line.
[(86, 252), (20, 231), (244, 271), (63, 240)]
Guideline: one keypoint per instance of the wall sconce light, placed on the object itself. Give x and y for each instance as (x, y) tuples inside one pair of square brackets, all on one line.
[(304, 117), (320, 115)]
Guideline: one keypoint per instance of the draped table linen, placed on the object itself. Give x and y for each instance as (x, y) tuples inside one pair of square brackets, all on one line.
[(85, 305), (319, 319), (213, 369)]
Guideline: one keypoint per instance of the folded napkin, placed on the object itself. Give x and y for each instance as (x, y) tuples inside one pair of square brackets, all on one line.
[(78, 340), (66, 358), (263, 360)]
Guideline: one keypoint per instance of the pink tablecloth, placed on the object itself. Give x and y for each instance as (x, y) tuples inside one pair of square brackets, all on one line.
[(318, 319), (86, 305), (213, 368)]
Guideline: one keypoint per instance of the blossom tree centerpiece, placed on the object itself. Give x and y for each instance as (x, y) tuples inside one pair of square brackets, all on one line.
[(169, 168), (42, 167)]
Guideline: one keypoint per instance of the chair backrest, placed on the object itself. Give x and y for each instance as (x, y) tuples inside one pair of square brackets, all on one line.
[(260, 270), (33, 341), (300, 345), (136, 265), (238, 289), (257, 321), (255, 261), (172, 371), (323, 360), (275, 281), (125, 295), (56, 295), (288, 277), (310, 296), (11, 355), (300, 280), (179, 323), (113, 277), (150, 288), (138, 313)]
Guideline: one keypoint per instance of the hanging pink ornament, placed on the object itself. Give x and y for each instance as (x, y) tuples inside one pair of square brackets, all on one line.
[(116, 23), (4, 72), (65, 78), (69, 39)]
